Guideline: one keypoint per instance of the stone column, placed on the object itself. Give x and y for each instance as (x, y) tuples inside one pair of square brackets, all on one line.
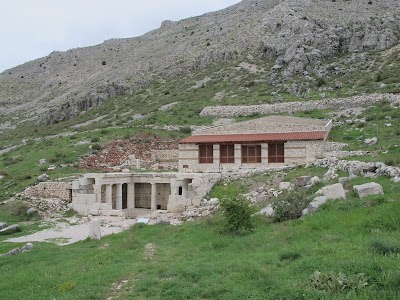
[(109, 193), (97, 192), (131, 195), (153, 196), (119, 197)]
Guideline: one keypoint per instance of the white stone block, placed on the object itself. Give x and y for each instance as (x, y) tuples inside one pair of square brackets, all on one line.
[(95, 230), (371, 188), (334, 191)]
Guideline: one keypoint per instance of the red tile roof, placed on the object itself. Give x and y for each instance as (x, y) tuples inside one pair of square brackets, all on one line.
[(252, 138)]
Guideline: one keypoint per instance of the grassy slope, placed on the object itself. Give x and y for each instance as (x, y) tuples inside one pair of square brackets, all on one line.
[(194, 262)]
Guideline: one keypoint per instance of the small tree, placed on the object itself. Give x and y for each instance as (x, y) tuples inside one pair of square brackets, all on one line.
[(235, 215)]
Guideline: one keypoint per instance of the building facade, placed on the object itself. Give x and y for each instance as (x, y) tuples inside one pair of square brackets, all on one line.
[(257, 144)]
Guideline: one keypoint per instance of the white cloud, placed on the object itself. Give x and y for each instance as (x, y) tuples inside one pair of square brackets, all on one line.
[(31, 29)]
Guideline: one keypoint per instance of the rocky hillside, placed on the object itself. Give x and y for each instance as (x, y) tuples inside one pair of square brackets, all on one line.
[(291, 37)]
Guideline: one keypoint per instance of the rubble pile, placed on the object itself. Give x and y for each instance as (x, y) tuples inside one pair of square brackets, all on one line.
[(117, 152)]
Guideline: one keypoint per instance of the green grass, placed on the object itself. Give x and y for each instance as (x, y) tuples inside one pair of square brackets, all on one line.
[(194, 261)]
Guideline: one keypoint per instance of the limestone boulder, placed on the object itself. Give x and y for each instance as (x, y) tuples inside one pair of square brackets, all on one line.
[(370, 142), (3, 225), (396, 179), (315, 180), (334, 191), (42, 161), (267, 211), (367, 189), (43, 177), (315, 204), (31, 211), (302, 181), (10, 229), (285, 185)]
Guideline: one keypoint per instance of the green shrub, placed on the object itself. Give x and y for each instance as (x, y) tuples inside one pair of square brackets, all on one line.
[(320, 82), (385, 247), (96, 147), (290, 205), (94, 140), (12, 160), (235, 215), (338, 282), (186, 130)]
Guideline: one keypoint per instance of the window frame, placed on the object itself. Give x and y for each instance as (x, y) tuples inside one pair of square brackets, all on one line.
[(227, 153), (208, 158), (276, 153), (251, 158)]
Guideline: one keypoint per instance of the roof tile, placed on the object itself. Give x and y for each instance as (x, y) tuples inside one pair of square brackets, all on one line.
[(252, 138)]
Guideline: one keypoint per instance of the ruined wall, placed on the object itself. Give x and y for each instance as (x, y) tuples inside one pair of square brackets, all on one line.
[(60, 190)]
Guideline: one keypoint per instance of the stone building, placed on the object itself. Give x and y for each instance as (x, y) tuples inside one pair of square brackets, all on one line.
[(203, 157), (135, 194), (256, 144)]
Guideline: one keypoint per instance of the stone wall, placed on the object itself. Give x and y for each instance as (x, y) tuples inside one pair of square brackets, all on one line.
[(59, 190), (296, 152), (268, 109)]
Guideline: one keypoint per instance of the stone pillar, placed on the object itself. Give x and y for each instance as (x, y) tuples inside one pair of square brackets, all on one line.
[(131, 195), (97, 192), (153, 196), (238, 155), (109, 193), (119, 197)]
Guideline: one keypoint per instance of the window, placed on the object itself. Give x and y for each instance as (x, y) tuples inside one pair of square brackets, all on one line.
[(227, 154), (251, 153), (276, 153), (206, 154)]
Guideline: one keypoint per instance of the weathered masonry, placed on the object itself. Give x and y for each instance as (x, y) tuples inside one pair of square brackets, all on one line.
[(135, 194), (256, 144)]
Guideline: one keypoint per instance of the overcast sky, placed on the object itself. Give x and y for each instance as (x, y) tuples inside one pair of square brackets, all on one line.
[(30, 29)]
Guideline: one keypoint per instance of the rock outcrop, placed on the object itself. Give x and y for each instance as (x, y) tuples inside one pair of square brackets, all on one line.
[(297, 34)]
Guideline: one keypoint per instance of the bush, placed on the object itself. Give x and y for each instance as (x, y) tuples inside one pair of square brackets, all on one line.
[(290, 205), (96, 147), (94, 140), (185, 130), (338, 282), (235, 215)]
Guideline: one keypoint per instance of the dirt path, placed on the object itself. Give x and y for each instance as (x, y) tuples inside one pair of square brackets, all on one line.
[(65, 234)]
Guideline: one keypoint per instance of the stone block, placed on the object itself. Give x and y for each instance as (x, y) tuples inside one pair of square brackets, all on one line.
[(95, 230), (334, 191), (302, 181), (285, 185), (3, 225), (315, 204), (367, 189)]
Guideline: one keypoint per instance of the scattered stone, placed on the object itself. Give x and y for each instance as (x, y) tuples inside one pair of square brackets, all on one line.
[(330, 174), (95, 230), (302, 181), (31, 211), (42, 161), (213, 201), (175, 222), (315, 204), (28, 247), (43, 177), (3, 225), (285, 186), (371, 188), (334, 191), (370, 142), (267, 211), (342, 180), (10, 229), (143, 220), (396, 179), (315, 180)]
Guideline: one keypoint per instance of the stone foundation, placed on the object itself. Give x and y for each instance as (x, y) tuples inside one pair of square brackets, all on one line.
[(59, 190)]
